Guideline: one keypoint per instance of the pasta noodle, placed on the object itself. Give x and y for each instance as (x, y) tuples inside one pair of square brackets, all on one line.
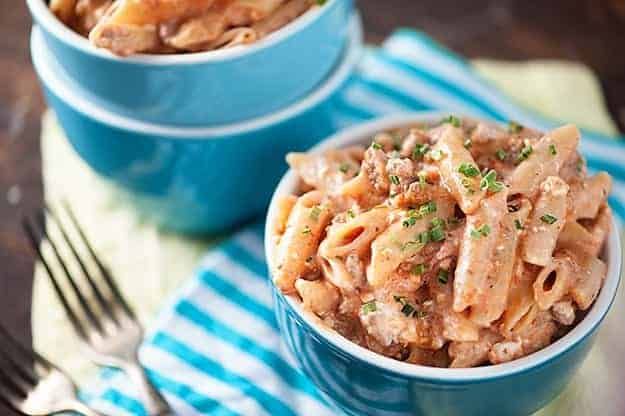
[(453, 244), (127, 27)]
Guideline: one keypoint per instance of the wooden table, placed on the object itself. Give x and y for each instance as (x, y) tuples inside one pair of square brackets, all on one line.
[(590, 31)]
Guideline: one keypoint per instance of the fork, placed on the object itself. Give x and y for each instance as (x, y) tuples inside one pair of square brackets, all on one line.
[(31, 385), (111, 333)]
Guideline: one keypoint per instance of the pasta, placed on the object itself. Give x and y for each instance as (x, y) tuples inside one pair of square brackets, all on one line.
[(127, 27), (455, 244)]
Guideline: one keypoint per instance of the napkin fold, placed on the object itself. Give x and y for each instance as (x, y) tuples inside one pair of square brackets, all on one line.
[(214, 349)]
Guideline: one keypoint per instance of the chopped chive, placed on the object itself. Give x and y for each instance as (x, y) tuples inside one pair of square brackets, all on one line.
[(344, 167), (376, 146), (368, 307), (514, 127), (468, 170), (423, 237), (579, 166), (315, 212), (453, 120), (306, 230), (421, 314), (468, 186), (480, 232), (501, 154), (420, 150), (525, 153), (419, 269), (394, 179), (484, 229), (422, 180), (489, 182), (518, 224), (407, 309), (351, 214), (437, 234), (410, 221), (548, 219), (443, 276), (552, 149)]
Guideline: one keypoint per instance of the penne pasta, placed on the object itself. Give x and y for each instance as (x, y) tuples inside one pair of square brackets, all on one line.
[(477, 249), (464, 186), (497, 285), (587, 197), (545, 222), (545, 159), (300, 240), (126, 27), (408, 263)]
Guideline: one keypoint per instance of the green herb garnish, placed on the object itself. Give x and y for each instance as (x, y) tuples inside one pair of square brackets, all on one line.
[(453, 120), (315, 212), (369, 307), (420, 150), (501, 154), (468, 170), (553, 150), (548, 219), (489, 182), (419, 269), (443, 276), (480, 232), (518, 224), (514, 127), (376, 146), (306, 230), (525, 153)]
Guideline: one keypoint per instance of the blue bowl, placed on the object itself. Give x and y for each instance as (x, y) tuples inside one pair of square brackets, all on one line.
[(208, 88), (361, 382), (193, 180)]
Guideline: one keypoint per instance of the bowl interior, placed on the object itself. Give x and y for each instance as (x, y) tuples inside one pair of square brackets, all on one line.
[(49, 21), (363, 134)]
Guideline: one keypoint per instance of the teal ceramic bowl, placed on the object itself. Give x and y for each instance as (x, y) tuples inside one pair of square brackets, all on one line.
[(193, 180), (360, 382), (208, 88)]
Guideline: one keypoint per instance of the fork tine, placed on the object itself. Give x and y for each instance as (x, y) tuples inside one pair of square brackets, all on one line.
[(103, 270), (26, 352), (104, 304), (41, 219), (9, 383), (19, 366), (34, 241)]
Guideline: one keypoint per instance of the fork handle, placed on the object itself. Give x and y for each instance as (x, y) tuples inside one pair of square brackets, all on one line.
[(153, 401)]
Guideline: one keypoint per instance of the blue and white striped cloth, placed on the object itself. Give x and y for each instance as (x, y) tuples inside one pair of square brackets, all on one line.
[(216, 350)]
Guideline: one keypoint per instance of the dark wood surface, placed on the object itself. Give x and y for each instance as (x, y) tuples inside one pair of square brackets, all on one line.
[(589, 31)]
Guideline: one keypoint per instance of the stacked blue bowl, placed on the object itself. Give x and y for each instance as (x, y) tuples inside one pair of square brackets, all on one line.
[(198, 140)]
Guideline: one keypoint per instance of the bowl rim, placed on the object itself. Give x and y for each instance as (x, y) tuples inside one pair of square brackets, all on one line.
[(64, 88), (594, 317), (42, 15)]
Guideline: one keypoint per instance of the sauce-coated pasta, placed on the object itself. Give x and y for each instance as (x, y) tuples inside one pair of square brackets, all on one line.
[(454, 245), (127, 27)]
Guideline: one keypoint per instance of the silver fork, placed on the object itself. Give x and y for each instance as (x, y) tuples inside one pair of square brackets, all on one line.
[(110, 332), (33, 386)]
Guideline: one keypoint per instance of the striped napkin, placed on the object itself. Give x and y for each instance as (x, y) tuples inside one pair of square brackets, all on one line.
[(215, 349)]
